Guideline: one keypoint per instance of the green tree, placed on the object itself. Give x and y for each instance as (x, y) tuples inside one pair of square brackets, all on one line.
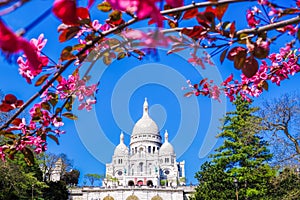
[(56, 191), (20, 181), (93, 178), (286, 185), (71, 178), (241, 159)]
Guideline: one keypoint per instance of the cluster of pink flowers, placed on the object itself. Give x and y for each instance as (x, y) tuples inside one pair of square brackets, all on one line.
[(144, 8), (11, 43), (205, 88), (196, 61), (74, 86), (43, 117), (25, 68), (250, 16), (152, 39), (95, 26), (27, 139), (229, 87), (282, 65), (2, 154), (67, 11), (34, 141)]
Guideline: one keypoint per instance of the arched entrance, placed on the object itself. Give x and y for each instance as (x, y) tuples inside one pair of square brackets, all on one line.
[(132, 197), (157, 197), (108, 198), (130, 183), (140, 183), (149, 183)]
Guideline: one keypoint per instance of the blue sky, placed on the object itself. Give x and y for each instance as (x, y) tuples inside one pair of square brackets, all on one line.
[(191, 122)]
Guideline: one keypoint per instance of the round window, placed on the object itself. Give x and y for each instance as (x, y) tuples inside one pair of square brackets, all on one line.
[(120, 173), (167, 172)]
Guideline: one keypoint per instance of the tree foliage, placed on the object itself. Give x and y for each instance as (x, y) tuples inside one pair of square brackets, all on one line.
[(93, 178), (243, 156), (56, 191), (71, 178), (20, 181), (286, 185)]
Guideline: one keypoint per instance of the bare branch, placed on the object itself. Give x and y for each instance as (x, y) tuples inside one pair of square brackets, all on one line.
[(12, 7), (269, 27), (281, 115), (202, 5)]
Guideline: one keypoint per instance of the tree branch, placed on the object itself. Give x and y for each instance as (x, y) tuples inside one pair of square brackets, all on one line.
[(12, 7), (201, 5), (292, 139), (269, 27), (254, 31)]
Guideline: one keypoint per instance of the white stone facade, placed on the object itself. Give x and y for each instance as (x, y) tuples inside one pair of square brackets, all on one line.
[(147, 161), (128, 193), (147, 170)]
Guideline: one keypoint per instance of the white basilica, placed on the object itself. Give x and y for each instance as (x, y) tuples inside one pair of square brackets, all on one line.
[(147, 161)]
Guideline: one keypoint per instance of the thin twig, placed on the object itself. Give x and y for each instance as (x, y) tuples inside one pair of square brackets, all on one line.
[(12, 7), (201, 5), (269, 27)]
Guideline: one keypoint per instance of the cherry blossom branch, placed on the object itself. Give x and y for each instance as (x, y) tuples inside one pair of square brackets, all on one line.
[(4, 2), (201, 5), (254, 31), (269, 27), (132, 21), (12, 7)]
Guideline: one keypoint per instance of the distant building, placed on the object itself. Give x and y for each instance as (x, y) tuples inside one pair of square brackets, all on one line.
[(57, 171), (147, 170), (147, 161), (52, 172)]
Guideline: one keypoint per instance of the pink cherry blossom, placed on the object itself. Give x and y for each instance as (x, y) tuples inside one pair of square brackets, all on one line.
[(35, 142), (11, 43), (74, 86), (39, 43), (30, 64), (151, 39), (2, 154), (124, 5), (263, 2), (65, 10), (143, 8), (250, 16)]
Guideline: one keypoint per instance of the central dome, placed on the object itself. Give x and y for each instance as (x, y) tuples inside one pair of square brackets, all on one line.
[(145, 124)]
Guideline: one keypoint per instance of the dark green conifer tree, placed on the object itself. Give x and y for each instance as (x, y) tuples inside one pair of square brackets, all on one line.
[(238, 168)]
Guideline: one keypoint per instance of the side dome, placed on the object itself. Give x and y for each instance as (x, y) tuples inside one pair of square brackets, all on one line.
[(121, 149), (166, 148), (146, 124)]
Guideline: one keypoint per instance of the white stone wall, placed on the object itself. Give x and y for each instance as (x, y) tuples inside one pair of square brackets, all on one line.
[(143, 193)]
